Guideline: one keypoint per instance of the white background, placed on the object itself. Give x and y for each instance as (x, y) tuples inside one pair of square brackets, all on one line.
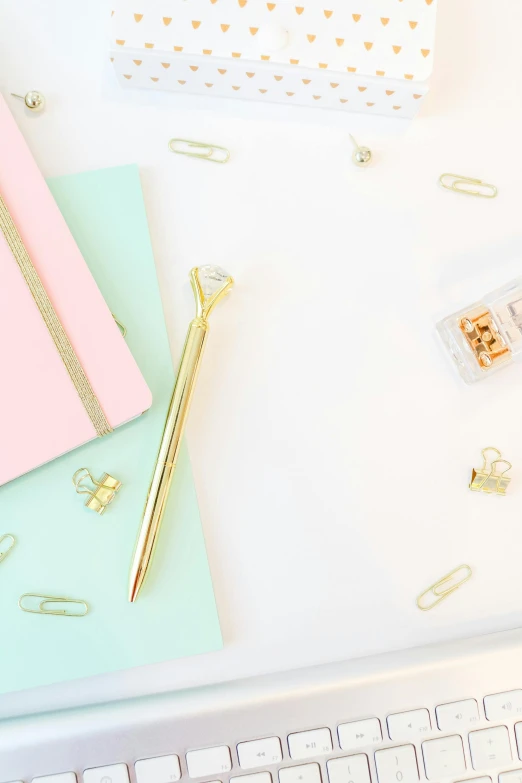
[(331, 439)]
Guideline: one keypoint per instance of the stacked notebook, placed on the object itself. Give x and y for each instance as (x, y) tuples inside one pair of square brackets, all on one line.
[(63, 548), (41, 413)]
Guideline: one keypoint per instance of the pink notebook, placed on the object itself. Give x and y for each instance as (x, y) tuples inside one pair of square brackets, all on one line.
[(41, 414)]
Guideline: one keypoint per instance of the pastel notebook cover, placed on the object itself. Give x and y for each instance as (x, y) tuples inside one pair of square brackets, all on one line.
[(64, 548), (41, 415)]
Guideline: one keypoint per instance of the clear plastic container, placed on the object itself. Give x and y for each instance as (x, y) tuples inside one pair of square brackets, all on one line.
[(487, 335)]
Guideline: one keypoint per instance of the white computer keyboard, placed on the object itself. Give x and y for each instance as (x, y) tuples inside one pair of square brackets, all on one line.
[(333, 729)]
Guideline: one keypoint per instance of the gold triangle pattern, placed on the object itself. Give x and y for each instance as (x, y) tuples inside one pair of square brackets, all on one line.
[(311, 37)]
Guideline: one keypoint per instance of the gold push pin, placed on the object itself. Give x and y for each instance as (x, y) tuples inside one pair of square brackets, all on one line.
[(489, 478), (103, 492), (361, 156), (210, 284), (33, 99)]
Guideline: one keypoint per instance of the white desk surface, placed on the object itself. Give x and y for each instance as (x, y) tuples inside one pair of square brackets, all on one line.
[(331, 439)]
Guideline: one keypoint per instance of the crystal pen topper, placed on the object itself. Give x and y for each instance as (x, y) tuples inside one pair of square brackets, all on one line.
[(485, 336), (210, 284)]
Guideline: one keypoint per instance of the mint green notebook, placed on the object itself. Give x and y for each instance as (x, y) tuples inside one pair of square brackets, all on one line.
[(65, 549)]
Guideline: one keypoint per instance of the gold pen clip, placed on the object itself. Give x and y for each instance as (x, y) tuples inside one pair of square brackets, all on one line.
[(445, 586), (209, 152), (104, 491), (44, 601), (7, 542), (484, 189)]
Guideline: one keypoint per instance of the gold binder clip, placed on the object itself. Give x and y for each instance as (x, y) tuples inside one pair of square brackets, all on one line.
[(483, 338), (7, 542), (45, 603), (207, 151), (444, 587), (489, 478), (103, 493), (484, 189)]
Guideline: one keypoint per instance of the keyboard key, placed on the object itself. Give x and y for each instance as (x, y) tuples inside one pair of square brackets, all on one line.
[(254, 777), (359, 734), (484, 779), (490, 748), (305, 744), (259, 753), (457, 716), (163, 769), (518, 734), (408, 725), (115, 773), (502, 706), (444, 757), (209, 761), (304, 773), (514, 776), (64, 777), (397, 765), (350, 769)]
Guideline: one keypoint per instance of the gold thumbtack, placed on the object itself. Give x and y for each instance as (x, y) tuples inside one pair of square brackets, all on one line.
[(361, 156), (33, 99), (101, 495)]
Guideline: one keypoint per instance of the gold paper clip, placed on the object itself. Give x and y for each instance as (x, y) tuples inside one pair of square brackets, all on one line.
[(121, 327), (208, 151), (6, 548), (103, 493), (488, 191), (490, 479), (444, 587), (44, 600)]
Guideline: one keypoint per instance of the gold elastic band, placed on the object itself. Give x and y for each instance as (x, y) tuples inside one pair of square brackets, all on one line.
[(81, 382)]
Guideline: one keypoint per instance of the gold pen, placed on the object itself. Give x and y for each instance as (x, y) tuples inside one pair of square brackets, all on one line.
[(210, 284)]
